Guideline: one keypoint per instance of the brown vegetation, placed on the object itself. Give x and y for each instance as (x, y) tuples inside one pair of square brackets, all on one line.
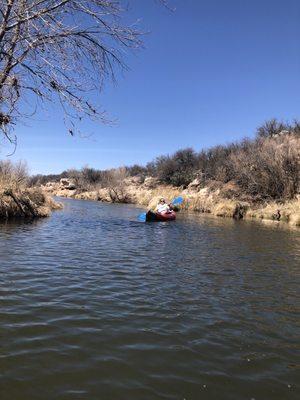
[(17, 200), (253, 178), (265, 168), (262, 169)]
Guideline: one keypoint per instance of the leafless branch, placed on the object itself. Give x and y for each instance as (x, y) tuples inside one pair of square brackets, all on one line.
[(60, 49)]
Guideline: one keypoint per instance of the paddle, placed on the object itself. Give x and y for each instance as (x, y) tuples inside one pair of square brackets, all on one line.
[(175, 202), (142, 217), (178, 200)]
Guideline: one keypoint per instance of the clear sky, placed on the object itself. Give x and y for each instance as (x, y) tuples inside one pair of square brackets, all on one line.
[(210, 73)]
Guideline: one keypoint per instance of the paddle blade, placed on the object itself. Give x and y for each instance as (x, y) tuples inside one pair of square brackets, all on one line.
[(178, 200), (142, 217)]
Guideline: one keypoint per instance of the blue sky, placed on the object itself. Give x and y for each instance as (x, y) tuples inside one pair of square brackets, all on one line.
[(210, 73)]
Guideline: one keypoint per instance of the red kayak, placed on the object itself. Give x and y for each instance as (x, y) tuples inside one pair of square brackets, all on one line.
[(155, 216)]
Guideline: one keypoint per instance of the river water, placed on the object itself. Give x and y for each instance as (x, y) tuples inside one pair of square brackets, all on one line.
[(94, 305)]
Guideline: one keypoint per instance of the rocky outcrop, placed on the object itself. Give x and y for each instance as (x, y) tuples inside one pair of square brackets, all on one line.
[(195, 185), (66, 183), (150, 183), (64, 188)]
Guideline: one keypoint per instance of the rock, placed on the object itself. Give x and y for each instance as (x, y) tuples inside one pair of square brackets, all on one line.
[(276, 216), (50, 184), (284, 132), (204, 192), (50, 187), (194, 185), (67, 184), (134, 180), (241, 209), (65, 193), (230, 208), (103, 195), (150, 183)]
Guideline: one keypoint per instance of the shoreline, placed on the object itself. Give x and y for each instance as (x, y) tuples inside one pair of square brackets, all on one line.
[(207, 200), (26, 204), (269, 223)]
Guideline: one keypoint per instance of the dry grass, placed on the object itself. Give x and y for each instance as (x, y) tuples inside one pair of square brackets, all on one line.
[(210, 199), (16, 199), (268, 168), (13, 176), (202, 201), (230, 208), (93, 195), (28, 203), (287, 212), (207, 201)]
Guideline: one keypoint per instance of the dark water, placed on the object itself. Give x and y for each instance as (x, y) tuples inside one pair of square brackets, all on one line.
[(97, 306)]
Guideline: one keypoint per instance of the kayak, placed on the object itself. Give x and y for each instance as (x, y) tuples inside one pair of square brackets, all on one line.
[(167, 216), (155, 216)]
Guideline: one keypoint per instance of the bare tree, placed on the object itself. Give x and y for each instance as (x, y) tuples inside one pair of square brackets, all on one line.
[(59, 48), (13, 176), (117, 186)]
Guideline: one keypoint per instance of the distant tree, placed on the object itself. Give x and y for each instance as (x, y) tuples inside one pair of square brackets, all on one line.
[(90, 175), (296, 127), (136, 170), (13, 176), (163, 167), (185, 161), (272, 128), (177, 169), (116, 185), (60, 50)]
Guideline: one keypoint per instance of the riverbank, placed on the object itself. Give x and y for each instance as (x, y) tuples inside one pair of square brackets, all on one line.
[(253, 178), (17, 199), (26, 203), (222, 200)]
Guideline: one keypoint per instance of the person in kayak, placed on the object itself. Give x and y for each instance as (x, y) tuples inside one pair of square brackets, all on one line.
[(162, 207)]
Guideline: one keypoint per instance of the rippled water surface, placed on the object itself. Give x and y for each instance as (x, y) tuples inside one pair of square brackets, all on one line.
[(97, 306)]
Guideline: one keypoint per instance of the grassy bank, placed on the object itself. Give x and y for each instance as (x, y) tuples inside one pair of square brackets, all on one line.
[(257, 178), (17, 199), (211, 199)]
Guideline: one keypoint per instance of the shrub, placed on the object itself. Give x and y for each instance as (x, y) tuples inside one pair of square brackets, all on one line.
[(213, 163), (296, 128), (136, 170), (272, 128), (116, 185), (91, 176), (38, 180), (268, 168), (264, 168), (13, 176), (178, 169)]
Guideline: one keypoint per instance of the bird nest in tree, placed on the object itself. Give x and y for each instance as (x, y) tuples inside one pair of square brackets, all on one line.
[(4, 119)]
